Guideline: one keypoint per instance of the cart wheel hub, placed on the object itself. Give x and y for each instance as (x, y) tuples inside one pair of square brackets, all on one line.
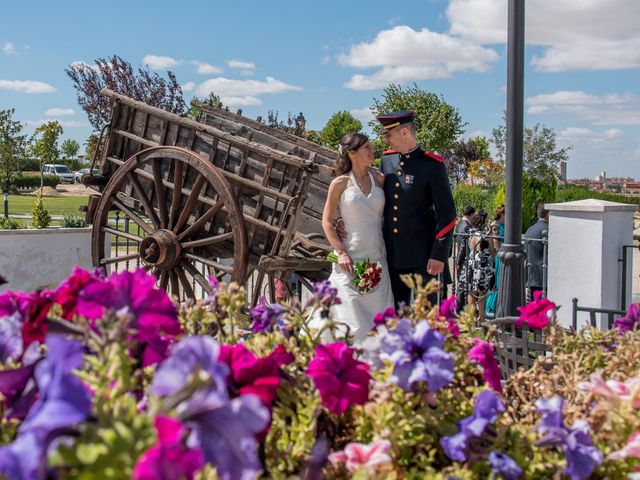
[(160, 249)]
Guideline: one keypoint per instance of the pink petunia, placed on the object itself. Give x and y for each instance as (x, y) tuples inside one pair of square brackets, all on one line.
[(66, 295), (534, 313), (381, 318), (169, 458), (341, 379), (154, 317), (631, 449), (448, 312), (359, 455), (483, 353), (628, 391)]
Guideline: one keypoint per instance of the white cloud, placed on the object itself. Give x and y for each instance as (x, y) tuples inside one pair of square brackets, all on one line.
[(580, 135), (9, 49), (240, 65), (609, 109), (156, 62), (27, 86), (582, 35), (206, 69), (403, 54), (55, 112), (476, 134), (326, 59), (394, 20), (365, 115), (242, 92), (83, 64), (64, 123), (188, 87)]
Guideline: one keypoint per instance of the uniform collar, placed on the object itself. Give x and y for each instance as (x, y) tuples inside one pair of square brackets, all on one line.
[(412, 152)]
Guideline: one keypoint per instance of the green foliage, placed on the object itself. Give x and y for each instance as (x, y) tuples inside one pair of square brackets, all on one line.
[(45, 146), (337, 127), (32, 181), (479, 197), (570, 193), (13, 147), (541, 157), (10, 224), (534, 191), (40, 215), (91, 146), (196, 112), (69, 148), (72, 220), (438, 124)]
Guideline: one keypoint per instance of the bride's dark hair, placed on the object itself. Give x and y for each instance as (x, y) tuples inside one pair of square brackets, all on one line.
[(350, 142)]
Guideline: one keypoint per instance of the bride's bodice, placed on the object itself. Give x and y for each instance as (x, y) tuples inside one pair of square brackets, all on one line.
[(362, 215)]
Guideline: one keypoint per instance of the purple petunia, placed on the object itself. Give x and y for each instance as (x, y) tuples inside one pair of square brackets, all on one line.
[(576, 442), (630, 320), (324, 297), (265, 317), (485, 412), (63, 401), (10, 337), (417, 356), (224, 429), (503, 464)]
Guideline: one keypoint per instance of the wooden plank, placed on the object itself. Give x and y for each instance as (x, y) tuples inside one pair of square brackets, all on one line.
[(275, 263)]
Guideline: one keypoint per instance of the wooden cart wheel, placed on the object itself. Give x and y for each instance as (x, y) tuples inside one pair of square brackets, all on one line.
[(180, 217)]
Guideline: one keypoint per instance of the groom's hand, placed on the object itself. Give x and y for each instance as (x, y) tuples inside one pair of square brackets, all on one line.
[(434, 267), (340, 230)]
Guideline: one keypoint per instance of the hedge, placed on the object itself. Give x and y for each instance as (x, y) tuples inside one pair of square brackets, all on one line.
[(570, 193), (479, 197), (534, 191), (33, 181)]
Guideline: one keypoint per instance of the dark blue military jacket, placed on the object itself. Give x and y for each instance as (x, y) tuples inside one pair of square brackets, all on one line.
[(419, 214)]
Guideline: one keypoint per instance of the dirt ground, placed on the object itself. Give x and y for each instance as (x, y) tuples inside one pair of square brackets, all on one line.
[(73, 189)]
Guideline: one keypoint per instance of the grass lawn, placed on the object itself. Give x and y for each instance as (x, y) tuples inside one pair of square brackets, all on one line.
[(23, 204)]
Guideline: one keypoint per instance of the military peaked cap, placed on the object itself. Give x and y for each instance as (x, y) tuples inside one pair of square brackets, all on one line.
[(393, 119)]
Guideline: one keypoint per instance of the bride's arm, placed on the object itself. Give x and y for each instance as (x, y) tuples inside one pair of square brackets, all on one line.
[(337, 186)]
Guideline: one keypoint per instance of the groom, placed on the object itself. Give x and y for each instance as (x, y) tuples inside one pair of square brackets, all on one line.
[(419, 215)]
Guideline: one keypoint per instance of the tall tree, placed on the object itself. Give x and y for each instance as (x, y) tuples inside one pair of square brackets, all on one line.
[(337, 127), (464, 152), (69, 148), (541, 155), (13, 147), (117, 74), (91, 145), (196, 112), (438, 124), (45, 146)]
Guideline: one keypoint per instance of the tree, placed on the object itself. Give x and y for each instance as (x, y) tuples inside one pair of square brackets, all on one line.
[(69, 148), (337, 127), (196, 112), (13, 147), (541, 158), (458, 159), (45, 146), (118, 75), (90, 146), (534, 191), (294, 125), (438, 124), (489, 171)]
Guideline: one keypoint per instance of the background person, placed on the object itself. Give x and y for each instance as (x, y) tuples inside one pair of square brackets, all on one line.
[(534, 248)]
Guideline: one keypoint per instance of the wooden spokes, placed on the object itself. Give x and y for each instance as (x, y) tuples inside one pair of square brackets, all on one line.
[(170, 211)]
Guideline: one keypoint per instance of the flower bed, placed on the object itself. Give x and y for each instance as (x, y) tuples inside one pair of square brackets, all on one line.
[(108, 378)]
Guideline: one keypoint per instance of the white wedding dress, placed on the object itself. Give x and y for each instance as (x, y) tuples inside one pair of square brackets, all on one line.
[(362, 216)]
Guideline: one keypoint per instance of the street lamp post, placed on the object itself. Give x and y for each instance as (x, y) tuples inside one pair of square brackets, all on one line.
[(511, 255)]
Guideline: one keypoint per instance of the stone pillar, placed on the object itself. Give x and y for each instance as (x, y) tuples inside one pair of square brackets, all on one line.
[(585, 252)]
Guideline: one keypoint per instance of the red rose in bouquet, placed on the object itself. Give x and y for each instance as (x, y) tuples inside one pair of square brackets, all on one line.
[(367, 274)]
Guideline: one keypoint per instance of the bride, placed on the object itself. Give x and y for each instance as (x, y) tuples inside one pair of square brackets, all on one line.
[(357, 192)]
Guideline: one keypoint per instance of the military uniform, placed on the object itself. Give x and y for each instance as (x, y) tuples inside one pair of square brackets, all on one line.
[(419, 215)]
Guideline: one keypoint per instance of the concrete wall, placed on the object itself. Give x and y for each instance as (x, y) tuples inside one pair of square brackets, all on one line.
[(34, 259), (585, 246)]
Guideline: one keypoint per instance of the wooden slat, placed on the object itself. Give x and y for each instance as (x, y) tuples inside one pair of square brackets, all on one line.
[(208, 241), (201, 221), (191, 202), (148, 208), (160, 194)]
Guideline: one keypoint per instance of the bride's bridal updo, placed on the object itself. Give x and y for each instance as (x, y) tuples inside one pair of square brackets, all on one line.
[(349, 143)]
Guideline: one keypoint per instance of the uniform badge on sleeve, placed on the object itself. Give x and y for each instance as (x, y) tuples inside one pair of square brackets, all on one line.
[(408, 179)]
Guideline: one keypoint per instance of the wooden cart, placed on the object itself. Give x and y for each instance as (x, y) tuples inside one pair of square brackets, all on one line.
[(228, 197)]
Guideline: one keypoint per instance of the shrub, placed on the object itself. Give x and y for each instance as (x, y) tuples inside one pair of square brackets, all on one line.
[(534, 191), (41, 217), (10, 224), (571, 193), (72, 220), (479, 197), (33, 181)]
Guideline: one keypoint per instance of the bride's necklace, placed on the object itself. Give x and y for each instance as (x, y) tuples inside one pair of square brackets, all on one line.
[(361, 181)]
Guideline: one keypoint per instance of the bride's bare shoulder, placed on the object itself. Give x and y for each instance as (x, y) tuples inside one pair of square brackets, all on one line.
[(377, 175), (340, 183)]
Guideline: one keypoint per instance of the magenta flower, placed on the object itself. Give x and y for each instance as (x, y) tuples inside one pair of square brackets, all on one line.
[(250, 374), (265, 317), (628, 322), (169, 458), (483, 353), (154, 316), (341, 379), (381, 318), (448, 312), (534, 313), (631, 449), (66, 295), (358, 455)]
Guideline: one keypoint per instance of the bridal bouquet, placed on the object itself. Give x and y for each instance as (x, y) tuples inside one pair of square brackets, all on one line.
[(367, 274)]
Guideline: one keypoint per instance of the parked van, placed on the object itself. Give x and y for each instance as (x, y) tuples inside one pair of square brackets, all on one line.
[(61, 171)]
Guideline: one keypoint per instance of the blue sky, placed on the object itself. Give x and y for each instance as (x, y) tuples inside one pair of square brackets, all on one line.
[(582, 71)]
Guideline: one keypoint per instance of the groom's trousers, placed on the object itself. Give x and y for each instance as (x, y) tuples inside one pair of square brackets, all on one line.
[(401, 292)]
